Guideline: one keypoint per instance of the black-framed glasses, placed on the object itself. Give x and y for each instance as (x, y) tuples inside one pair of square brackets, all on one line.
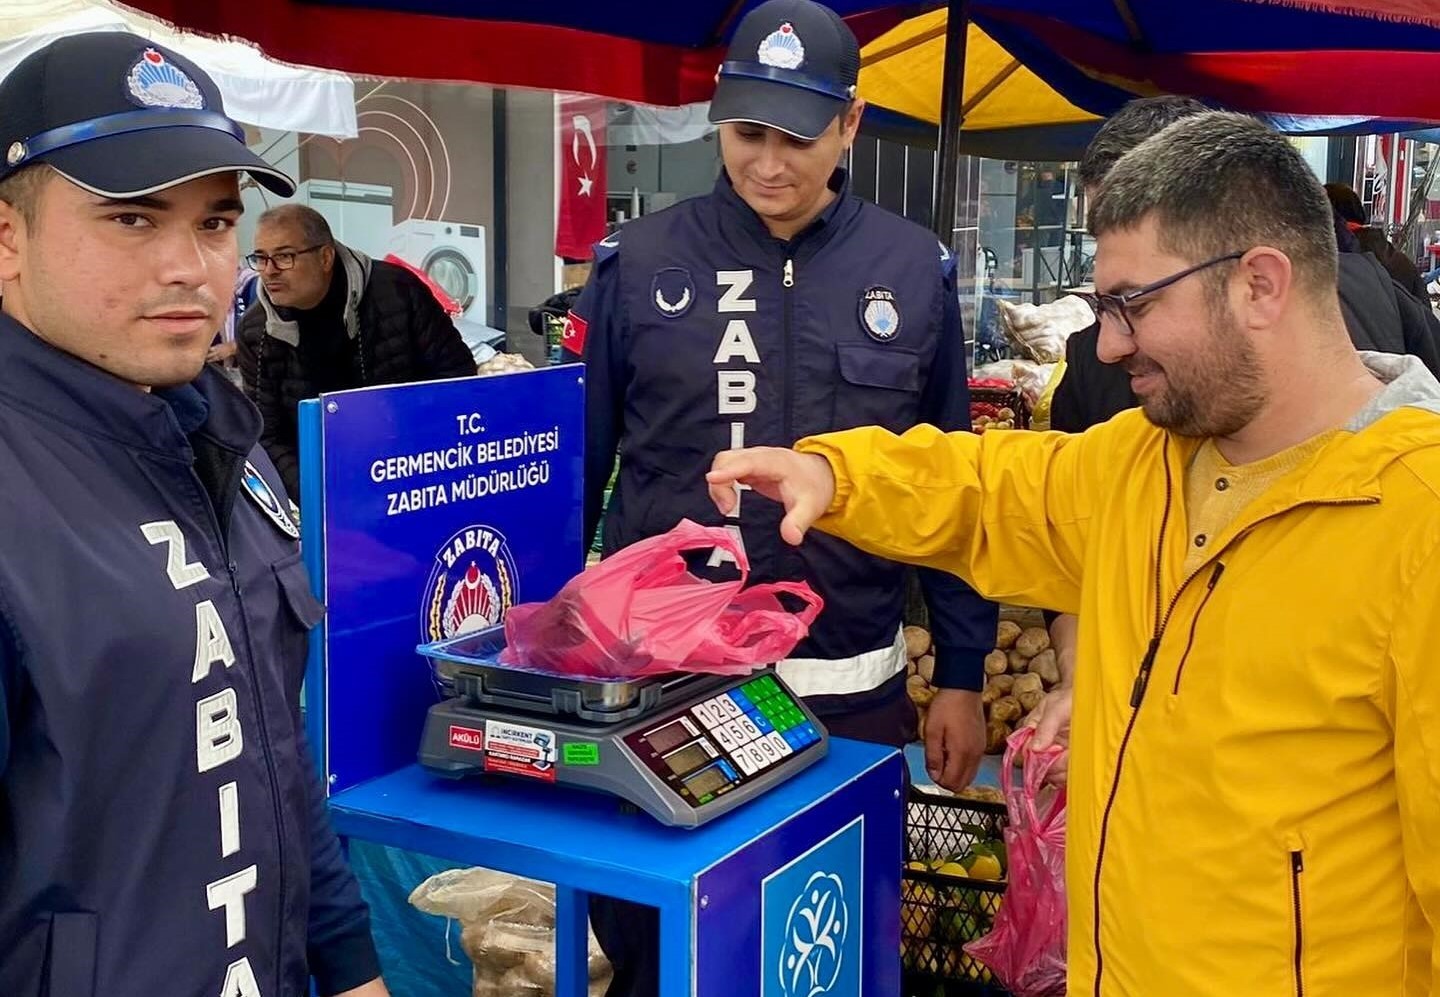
[(1117, 306), (281, 261)]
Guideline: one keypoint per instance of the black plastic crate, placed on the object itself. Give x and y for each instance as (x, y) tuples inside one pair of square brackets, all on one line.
[(941, 911)]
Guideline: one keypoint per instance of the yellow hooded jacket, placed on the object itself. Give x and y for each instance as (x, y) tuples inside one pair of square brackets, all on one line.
[(1255, 749)]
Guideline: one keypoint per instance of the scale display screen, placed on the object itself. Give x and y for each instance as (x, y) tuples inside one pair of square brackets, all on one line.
[(707, 783), (671, 736), (716, 745), (689, 758)]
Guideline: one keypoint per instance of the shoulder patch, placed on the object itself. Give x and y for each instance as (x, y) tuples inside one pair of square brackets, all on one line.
[(255, 486), (607, 247), (947, 261), (573, 338)]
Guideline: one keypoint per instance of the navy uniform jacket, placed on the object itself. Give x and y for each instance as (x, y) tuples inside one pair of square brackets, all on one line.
[(702, 332), (162, 828)]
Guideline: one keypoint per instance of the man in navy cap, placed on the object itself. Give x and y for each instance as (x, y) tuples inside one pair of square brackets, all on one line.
[(778, 306), (162, 827)]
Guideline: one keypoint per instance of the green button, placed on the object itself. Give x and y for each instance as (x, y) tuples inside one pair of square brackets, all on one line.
[(581, 753), (770, 683)]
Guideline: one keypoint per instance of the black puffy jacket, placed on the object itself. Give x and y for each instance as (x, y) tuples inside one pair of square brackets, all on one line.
[(404, 335)]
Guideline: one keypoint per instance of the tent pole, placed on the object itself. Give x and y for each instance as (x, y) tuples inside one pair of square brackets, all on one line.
[(952, 101)]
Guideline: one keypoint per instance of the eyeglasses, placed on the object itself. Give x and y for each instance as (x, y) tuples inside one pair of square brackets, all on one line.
[(281, 261), (1117, 306)]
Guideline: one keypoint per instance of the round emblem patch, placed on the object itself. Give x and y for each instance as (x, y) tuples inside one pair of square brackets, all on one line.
[(471, 586), (154, 82), (879, 313), (782, 48), (673, 291)]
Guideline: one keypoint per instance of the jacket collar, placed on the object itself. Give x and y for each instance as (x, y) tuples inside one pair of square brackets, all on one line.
[(57, 387), (739, 214), (357, 274)]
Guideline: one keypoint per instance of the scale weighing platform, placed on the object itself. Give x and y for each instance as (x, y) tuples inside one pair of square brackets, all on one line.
[(684, 748)]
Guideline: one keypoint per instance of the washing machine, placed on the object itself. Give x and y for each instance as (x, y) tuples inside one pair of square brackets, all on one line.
[(452, 253)]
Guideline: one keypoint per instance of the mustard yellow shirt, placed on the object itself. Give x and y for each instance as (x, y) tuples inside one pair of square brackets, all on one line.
[(1216, 491)]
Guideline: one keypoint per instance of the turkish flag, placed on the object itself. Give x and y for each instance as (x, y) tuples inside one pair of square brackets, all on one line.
[(580, 220)]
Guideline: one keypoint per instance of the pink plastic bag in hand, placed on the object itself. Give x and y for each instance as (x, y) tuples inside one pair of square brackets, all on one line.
[(641, 612), (1026, 948)]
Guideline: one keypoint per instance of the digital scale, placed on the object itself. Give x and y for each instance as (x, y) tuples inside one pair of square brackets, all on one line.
[(685, 748)]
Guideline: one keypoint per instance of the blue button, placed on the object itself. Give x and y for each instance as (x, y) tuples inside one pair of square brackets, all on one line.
[(740, 699), (762, 721), (793, 739), (729, 772)]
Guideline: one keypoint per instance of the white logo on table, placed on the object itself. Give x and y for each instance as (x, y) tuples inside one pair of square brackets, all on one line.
[(815, 936), (812, 920)]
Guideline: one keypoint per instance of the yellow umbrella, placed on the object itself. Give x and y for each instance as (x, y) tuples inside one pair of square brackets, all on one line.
[(903, 68)]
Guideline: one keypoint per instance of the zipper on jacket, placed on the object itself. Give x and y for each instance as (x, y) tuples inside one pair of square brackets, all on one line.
[(788, 280), (1142, 680), (1137, 695), (233, 569), (1195, 624), (1297, 866)]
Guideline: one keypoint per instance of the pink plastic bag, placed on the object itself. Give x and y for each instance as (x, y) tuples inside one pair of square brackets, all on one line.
[(641, 612), (1026, 948)]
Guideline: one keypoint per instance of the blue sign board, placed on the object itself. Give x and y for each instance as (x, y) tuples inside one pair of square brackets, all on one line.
[(811, 917), (438, 507), (811, 907)]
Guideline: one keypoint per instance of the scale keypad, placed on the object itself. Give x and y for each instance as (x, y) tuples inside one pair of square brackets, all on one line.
[(755, 726)]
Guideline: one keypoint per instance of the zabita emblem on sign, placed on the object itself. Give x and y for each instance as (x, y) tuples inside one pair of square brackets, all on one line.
[(471, 586)]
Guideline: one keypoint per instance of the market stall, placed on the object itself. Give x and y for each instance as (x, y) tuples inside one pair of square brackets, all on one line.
[(430, 512)]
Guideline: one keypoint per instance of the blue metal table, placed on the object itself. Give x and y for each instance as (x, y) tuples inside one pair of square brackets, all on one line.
[(796, 891)]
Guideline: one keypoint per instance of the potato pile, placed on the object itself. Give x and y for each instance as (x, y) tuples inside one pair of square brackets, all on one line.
[(1018, 673), (1004, 418)]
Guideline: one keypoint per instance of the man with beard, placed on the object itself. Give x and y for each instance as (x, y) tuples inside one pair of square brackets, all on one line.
[(1378, 312), (1253, 560)]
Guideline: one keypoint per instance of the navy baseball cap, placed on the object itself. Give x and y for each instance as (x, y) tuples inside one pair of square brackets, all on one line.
[(791, 65), (120, 116)]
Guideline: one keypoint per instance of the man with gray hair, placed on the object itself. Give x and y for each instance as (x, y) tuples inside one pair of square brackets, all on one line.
[(330, 318), (1252, 554)]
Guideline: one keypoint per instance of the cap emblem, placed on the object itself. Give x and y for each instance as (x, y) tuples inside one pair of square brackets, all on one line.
[(154, 82), (782, 48), (15, 153)]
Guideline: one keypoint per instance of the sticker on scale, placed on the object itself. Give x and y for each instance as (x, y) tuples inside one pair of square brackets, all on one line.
[(514, 749), (468, 738)]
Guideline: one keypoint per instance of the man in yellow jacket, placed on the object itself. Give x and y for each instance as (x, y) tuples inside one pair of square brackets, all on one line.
[(1255, 560)]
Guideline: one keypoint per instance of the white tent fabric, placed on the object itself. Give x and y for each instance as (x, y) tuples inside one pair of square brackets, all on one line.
[(257, 90), (641, 124)]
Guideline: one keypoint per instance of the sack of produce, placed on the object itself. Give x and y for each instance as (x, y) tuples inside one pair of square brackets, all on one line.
[(1039, 332), (507, 928), (1026, 949), (641, 612)]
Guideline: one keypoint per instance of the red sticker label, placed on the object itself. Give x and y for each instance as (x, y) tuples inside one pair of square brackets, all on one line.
[(573, 338), (467, 737)]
